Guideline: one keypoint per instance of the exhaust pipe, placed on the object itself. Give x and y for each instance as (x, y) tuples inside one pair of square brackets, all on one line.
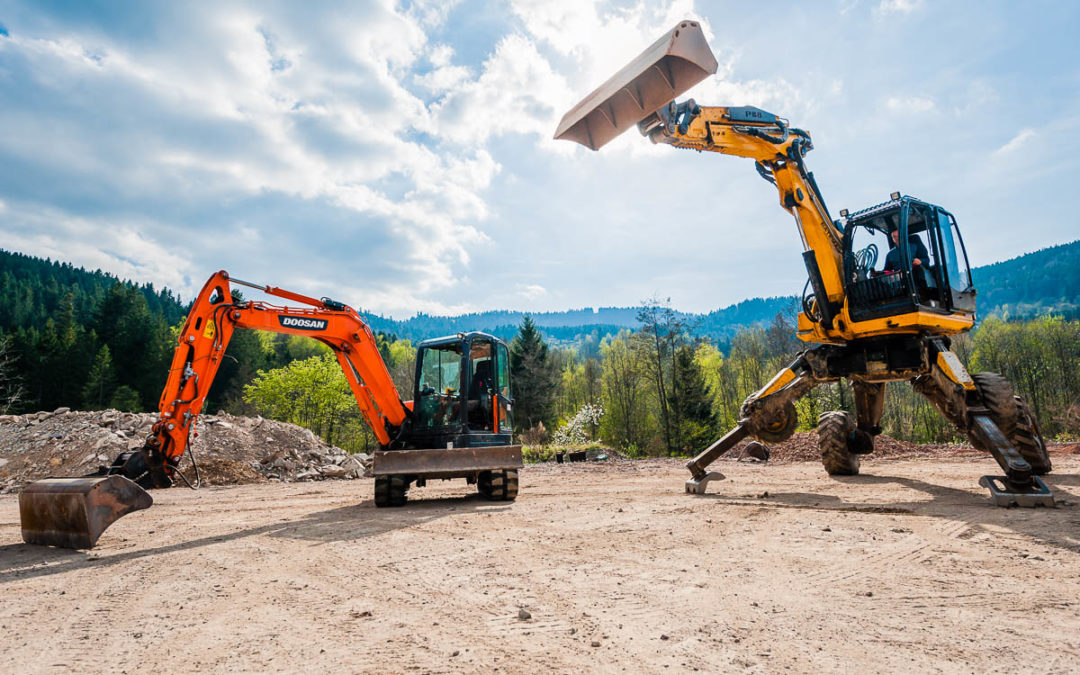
[(672, 65), (73, 512)]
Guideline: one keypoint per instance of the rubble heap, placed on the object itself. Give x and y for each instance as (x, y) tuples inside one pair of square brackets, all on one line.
[(230, 450)]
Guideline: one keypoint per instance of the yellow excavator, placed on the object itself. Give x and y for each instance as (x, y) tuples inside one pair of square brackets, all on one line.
[(870, 318)]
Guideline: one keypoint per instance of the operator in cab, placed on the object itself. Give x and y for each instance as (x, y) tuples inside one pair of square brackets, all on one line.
[(915, 247)]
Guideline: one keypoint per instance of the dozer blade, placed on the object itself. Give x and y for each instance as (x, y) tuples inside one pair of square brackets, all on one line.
[(73, 512), (673, 64), (440, 462)]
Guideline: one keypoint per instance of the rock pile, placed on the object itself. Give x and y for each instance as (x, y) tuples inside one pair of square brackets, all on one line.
[(230, 450)]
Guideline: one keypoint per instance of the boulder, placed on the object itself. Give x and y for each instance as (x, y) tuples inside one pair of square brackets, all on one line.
[(332, 471)]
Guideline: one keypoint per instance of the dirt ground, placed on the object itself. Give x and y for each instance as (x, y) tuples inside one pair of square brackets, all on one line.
[(906, 568)]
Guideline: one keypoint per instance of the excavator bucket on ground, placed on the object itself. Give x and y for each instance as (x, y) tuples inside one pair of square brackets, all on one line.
[(673, 64), (73, 512)]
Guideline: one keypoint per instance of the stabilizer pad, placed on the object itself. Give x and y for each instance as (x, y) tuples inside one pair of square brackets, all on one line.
[(697, 487), (1004, 493)]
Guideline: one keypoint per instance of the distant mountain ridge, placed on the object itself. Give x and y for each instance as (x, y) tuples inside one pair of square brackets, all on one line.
[(1044, 281)]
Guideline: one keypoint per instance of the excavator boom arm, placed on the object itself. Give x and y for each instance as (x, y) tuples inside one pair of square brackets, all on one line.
[(643, 94), (206, 333), (777, 151)]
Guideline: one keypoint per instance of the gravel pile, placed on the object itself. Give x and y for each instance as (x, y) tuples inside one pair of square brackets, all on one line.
[(230, 450)]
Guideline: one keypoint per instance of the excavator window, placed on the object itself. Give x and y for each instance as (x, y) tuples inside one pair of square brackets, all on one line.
[(481, 385), (956, 266), (439, 401), (905, 258)]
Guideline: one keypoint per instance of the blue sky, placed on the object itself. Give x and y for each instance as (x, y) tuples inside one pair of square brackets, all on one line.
[(398, 156)]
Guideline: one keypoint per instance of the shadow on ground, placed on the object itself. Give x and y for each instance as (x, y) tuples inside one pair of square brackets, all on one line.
[(346, 523), (1057, 527)]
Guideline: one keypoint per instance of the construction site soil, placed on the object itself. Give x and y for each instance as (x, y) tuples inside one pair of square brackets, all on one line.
[(601, 566)]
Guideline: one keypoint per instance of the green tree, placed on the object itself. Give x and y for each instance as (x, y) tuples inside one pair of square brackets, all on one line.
[(626, 423), (314, 394), (11, 389), (126, 399), (693, 407), (532, 377), (101, 382)]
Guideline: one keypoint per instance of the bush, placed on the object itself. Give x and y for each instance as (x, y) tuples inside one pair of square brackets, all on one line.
[(126, 399), (533, 454), (576, 430)]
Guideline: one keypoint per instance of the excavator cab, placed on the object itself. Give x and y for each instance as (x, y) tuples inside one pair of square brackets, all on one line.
[(903, 257), (462, 397)]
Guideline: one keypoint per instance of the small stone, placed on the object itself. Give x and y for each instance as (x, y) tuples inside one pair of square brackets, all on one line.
[(524, 614), (664, 637), (595, 643), (869, 594), (61, 411), (826, 529), (456, 652)]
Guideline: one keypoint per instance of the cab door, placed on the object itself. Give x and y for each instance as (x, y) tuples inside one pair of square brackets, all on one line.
[(481, 385), (955, 264), (504, 422)]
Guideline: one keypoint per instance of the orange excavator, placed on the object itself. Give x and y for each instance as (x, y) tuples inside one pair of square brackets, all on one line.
[(458, 424)]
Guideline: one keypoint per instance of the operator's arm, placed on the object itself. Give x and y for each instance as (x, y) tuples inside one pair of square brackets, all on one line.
[(918, 250)]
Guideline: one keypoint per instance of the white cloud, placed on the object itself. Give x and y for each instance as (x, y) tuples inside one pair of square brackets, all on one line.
[(531, 291), (1017, 142), (978, 95), (399, 156), (910, 104), (118, 247), (321, 114), (899, 6), (516, 91)]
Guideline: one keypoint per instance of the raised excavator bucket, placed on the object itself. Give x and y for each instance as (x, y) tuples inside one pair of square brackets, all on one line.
[(73, 512), (673, 64)]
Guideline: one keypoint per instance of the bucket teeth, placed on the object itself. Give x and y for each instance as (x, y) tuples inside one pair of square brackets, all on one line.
[(73, 512)]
